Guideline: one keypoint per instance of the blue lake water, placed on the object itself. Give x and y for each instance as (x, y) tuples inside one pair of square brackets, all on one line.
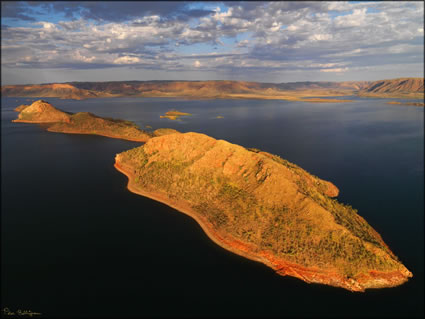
[(76, 243)]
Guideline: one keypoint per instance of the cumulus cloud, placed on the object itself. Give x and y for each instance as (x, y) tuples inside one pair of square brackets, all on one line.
[(239, 37), (126, 60)]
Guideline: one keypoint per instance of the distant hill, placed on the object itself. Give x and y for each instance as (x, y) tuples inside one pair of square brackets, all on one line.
[(403, 87), (298, 91), (60, 90)]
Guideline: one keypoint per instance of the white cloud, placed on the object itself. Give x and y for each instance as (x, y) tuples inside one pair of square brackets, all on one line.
[(356, 19), (47, 25), (243, 43), (80, 57), (337, 70), (320, 37), (289, 36), (126, 60)]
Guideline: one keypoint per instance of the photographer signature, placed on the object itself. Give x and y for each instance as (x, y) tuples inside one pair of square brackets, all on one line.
[(7, 312)]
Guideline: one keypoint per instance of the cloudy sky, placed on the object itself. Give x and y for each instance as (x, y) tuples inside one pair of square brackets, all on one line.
[(45, 42)]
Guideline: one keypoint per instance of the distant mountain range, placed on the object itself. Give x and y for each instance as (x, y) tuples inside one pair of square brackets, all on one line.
[(394, 88)]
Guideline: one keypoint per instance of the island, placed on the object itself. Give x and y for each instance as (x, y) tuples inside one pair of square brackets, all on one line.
[(250, 202), (264, 208), (174, 114), (55, 120)]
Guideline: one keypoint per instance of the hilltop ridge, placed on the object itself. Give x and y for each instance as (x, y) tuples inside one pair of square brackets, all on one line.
[(295, 91), (402, 87)]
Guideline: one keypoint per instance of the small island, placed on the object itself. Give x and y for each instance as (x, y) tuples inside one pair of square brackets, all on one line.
[(174, 114), (264, 208), (55, 120)]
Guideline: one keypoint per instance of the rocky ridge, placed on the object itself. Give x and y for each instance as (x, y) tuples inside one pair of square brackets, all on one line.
[(296, 91), (265, 208)]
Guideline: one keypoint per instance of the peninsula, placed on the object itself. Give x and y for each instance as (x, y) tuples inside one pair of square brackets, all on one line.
[(264, 208), (59, 121)]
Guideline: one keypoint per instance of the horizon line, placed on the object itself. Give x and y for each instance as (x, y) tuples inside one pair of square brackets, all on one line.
[(67, 82)]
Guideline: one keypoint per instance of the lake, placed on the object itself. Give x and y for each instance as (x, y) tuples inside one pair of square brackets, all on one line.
[(76, 243)]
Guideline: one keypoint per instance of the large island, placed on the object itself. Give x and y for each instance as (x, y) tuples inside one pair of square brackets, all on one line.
[(264, 208)]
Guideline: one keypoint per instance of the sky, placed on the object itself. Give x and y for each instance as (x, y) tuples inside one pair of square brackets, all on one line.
[(45, 42)]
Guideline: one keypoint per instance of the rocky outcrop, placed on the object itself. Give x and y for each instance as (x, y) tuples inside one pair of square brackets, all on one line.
[(79, 123), (41, 112), (265, 208)]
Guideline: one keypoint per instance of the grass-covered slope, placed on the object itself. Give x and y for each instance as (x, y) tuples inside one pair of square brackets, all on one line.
[(265, 208)]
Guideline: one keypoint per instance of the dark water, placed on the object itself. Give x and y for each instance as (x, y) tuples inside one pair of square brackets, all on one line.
[(76, 243)]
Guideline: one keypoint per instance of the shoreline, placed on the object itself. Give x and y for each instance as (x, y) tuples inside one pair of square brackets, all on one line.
[(294, 98), (81, 133), (369, 280), (185, 210), (281, 267), (251, 96), (105, 135)]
